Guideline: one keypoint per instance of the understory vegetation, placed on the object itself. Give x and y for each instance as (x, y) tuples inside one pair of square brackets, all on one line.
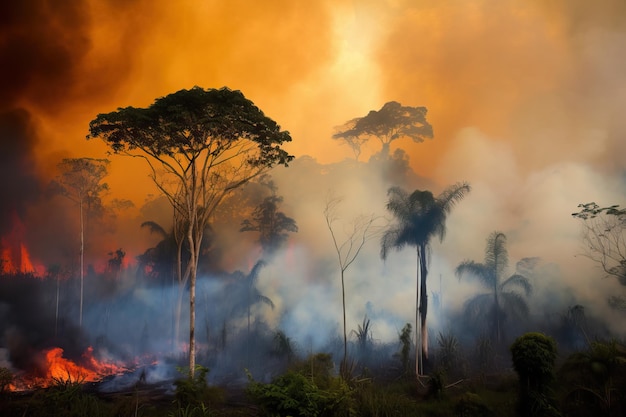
[(535, 380)]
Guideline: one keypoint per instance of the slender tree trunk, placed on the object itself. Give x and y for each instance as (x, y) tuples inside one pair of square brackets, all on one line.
[(192, 322), (193, 260), (56, 310), (418, 345), (496, 305), (345, 336), (423, 301), (82, 261)]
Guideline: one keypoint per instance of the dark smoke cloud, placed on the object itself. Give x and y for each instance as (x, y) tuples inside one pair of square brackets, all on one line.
[(41, 45), (19, 184)]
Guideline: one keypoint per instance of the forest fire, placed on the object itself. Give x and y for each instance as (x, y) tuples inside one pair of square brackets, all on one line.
[(14, 255), (56, 369)]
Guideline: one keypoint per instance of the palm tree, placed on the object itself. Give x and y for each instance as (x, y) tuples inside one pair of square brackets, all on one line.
[(502, 297), (419, 216), (246, 293)]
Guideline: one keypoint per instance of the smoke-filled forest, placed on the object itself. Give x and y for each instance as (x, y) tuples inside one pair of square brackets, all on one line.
[(332, 208)]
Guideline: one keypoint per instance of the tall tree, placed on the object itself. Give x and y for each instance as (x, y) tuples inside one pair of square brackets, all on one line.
[(245, 292), (200, 145), (347, 246), (503, 296), (604, 237), (419, 217), (81, 181), (393, 121), (271, 224)]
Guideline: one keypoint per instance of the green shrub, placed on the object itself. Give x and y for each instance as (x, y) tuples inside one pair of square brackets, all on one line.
[(383, 401), (471, 405), (309, 390), (194, 393), (66, 399), (533, 357)]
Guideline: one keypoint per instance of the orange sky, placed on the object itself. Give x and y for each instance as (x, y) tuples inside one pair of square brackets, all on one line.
[(515, 70)]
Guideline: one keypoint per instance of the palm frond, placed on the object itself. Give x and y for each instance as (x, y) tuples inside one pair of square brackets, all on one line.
[(514, 304), (390, 240), (496, 254), (253, 276), (265, 300), (476, 270), (397, 203), (154, 227), (452, 195), (479, 306), (517, 280)]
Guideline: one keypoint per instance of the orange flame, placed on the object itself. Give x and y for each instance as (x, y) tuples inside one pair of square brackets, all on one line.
[(58, 369), (14, 255)]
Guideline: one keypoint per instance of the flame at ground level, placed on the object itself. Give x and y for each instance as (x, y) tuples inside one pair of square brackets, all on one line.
[(56, 369)]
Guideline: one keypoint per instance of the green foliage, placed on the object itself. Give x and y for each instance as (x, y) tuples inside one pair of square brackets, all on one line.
[(405, 350), (309, 390), (271, 224), (419, 217), (604, 236), (435, 386), (484, 353), (377, 401), (449, 353), (187, 121), (193, 393), (283, 346), (595, 379), (533, 357), (471, 405), (66, 399), (190, 410), (505, 296)]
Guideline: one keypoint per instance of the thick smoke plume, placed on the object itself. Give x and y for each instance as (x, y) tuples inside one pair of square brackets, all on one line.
[(525, 99)]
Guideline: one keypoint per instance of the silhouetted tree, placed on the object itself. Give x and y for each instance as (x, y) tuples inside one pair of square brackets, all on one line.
[(604, 237), (168, 259), (245, 293), (200, 146), (393, 121), (419, 216), (81, 181), (533, 356), (115, 262), (271, 224), (159, 262), (502, 297), (347, 248)]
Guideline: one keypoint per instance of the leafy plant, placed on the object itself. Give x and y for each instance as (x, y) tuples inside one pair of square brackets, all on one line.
[(308, 391), (448, 352), (533, 356), (66, 398), (193, 394), (405, 350), (596, 378)]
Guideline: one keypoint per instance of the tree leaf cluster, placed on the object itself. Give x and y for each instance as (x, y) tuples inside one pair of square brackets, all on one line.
[(187, 122), (393, 121)]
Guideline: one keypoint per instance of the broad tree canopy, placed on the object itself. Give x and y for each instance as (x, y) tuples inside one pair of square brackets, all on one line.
[(393, 121), (200, 145), (213, 139)]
